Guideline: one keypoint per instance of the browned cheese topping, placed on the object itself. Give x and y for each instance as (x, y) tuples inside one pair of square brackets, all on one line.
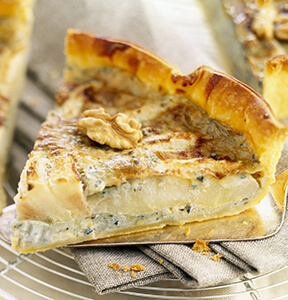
[(172, 128)]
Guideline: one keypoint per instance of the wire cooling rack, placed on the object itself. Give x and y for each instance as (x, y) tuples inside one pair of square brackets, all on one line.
[(55, 275)]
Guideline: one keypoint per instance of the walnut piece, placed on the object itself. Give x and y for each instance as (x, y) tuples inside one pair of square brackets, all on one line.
[(117, 131)]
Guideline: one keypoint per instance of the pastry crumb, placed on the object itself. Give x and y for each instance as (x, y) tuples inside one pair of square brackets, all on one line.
[(200, 246), (114, 266), (161, 261), (216, 257), (133, 269), (205, 253), (137, 268), (245, 223), (187, 230), (126, 268), (133, 274)]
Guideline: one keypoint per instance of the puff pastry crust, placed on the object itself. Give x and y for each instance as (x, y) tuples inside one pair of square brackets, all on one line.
[(15, 26), (275, 88), (209, 148)]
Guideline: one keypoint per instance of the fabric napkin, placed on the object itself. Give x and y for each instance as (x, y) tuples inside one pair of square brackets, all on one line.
[(192, 268), (176, 31)]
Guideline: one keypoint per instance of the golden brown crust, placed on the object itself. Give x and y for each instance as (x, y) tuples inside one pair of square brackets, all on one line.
[(276, 63), (222, 96), (275, 87), (278, 190), (86, 51)]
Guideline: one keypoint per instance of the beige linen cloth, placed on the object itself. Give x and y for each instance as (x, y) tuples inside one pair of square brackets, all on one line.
[(173, 30)]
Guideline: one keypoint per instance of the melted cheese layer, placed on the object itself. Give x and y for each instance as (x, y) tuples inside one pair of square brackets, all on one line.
[(116, 220), (150, 194)]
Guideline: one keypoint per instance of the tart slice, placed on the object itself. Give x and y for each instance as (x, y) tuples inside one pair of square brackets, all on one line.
[(134, 145), (15, 26)]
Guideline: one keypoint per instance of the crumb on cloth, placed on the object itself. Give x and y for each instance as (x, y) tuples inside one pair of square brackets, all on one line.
[(133, 269), (201, 246), (216, 257), (126, 268), (137, 268), (114, 266)]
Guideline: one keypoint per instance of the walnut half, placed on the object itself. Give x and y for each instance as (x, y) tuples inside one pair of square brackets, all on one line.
[(117, 131)]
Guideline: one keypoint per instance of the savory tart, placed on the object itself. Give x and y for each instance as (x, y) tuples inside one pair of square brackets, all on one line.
[(134, 145), (250, 33), (15, 26)]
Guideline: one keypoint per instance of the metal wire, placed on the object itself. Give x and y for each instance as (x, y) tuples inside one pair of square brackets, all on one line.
[(47, 263), (50, 263)]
